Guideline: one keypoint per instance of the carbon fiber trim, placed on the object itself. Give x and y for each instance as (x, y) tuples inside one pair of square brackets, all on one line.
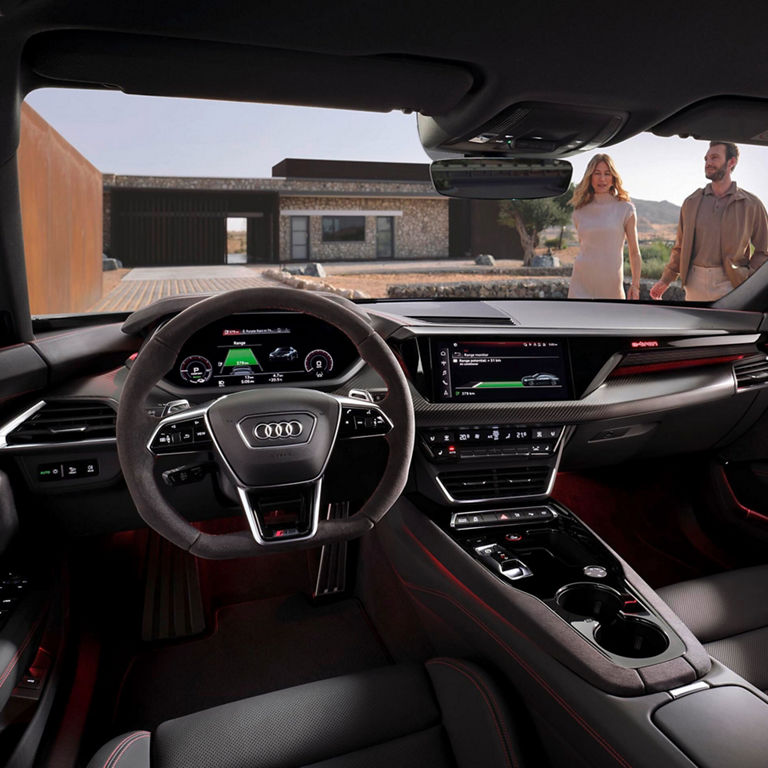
[(622, 397)]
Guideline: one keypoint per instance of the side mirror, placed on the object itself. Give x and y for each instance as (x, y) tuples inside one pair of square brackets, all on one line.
[(500, 178)]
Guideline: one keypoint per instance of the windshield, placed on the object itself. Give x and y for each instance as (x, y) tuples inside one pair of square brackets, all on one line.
[(149, 197)]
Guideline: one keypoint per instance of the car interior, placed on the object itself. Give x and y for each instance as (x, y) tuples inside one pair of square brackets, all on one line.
[(391, 555)]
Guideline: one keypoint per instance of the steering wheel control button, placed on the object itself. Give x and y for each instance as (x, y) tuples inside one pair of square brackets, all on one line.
[(273, 430), (184, 435), (362, 422), (595, 571)]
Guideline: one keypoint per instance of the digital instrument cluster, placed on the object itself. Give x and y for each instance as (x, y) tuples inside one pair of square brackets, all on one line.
[(263, 348), (500, 370)]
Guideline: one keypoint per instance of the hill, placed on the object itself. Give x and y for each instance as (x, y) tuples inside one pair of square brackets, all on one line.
[(656, 219)]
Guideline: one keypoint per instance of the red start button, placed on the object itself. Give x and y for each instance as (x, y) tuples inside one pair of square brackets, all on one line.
[(513, 537)]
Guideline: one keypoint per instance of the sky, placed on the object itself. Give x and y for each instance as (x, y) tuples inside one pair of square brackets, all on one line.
[(144, 135)]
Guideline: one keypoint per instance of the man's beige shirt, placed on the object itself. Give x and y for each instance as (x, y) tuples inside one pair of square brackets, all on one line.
[(706, 239)]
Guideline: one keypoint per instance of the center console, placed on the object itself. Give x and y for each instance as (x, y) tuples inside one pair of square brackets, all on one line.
[(500, 571), (545, 551)]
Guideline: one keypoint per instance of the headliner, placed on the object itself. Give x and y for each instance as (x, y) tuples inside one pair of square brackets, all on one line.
[(460, 64)]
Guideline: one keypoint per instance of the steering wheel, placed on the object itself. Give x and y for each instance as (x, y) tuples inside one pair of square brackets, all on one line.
[(273, 444)]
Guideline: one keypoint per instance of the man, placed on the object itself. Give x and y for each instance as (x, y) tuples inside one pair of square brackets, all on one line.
[(722, 235)]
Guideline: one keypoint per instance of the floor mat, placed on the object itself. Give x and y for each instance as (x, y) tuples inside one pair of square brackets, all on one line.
[(257, 647)]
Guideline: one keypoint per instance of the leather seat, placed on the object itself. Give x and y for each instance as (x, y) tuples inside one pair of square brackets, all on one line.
[(445, 713), (728, 613)]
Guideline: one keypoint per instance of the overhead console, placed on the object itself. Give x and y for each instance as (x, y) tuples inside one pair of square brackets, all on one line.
[(537, 129)]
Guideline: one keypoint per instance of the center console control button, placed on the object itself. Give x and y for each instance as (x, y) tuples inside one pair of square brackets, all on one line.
[(503, 562), (503, 517)]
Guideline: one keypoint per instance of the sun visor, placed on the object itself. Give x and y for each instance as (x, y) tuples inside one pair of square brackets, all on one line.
[(744, 121), (157, 66)]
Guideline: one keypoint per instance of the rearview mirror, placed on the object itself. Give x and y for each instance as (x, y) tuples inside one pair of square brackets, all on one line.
[(500, 178)]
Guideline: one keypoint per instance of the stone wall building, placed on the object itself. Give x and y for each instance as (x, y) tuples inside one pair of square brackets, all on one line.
[(310, 210)]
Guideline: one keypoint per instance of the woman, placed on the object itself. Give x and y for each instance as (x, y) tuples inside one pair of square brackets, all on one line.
[(603, 217)]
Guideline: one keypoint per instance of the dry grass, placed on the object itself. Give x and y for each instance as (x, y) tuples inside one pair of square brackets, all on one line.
[(236, 242)]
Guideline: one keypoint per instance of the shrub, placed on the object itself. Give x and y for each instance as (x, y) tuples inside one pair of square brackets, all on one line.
[(655, 256)]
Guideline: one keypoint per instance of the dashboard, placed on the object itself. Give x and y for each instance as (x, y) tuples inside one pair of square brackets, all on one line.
[(505, 394)]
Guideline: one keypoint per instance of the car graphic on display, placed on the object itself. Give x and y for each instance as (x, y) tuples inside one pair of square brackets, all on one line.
[(284, 353), (541, 380)]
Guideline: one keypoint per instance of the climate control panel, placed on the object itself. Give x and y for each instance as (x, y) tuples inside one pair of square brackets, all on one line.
[(474, 442)]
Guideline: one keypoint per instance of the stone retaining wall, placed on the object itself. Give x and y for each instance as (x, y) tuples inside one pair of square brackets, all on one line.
[(530, 288)]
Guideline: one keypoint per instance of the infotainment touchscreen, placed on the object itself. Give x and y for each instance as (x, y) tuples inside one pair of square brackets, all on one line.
[(500, 370)]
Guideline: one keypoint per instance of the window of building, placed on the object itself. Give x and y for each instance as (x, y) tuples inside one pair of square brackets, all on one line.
[(299, 238), (343, 228)]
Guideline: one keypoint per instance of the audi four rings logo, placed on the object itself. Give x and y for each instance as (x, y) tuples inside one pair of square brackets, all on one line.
[(276, 429)]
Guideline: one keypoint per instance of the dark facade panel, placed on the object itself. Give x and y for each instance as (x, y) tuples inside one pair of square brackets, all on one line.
[(474, 229), (153, 227)]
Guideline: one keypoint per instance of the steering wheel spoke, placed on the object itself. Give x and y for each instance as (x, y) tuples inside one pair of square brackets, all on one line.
[(283, 513)]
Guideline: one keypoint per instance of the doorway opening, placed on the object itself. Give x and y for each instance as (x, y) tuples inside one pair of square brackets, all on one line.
[(237, 241)]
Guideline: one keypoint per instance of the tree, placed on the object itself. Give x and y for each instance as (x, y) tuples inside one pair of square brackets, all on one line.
[(530, 217)]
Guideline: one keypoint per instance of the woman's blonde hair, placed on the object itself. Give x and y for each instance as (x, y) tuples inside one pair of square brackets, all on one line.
[(585, 193)]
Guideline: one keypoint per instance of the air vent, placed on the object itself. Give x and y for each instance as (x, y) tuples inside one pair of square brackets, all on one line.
[(497, 483), (66, 422), (443, 320), (751, 373)]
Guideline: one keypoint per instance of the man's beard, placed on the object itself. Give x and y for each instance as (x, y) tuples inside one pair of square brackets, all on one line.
[(717, 175)]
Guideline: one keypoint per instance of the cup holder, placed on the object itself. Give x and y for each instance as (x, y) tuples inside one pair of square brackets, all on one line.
[(627, 636), (632, 637), (592, 601)]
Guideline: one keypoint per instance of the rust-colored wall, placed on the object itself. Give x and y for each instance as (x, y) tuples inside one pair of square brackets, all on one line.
[(61, 202)]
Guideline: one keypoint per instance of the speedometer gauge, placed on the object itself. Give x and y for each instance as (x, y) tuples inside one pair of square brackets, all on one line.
[(318, 362), (196, 369)]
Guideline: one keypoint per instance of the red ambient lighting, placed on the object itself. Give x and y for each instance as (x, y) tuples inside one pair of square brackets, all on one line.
[(644, 344), (671, 365)]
